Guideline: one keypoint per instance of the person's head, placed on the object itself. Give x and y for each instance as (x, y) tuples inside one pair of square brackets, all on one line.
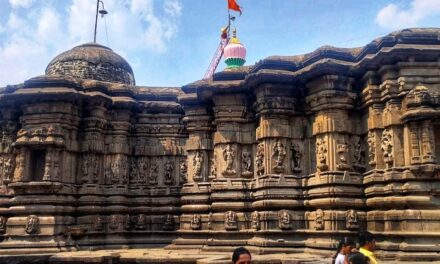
[(366, 240), (346, 245), (357, 258), (241, 256)]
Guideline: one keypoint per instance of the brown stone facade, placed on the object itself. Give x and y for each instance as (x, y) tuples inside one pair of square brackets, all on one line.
[(288, 155)]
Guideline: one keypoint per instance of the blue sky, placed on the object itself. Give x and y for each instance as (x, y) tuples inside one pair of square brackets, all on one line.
[(171, 42)]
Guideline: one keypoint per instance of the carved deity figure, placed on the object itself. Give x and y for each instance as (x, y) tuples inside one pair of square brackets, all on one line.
[(371, 148), (297, 154), (231, 220), (319, 220), (8, 168), (387, 147), (95, 167), (168, 222), (246, 160), (229, 157), (134, 173), (255, 220), (154, 172), (19, 168), (197, 163), (284, 221), (357, 153), (142, 170), (259, 160), (212, 169), (114, 222), (141, 222), (169, 168), (196, 222), (342, 150), (322, 154), (85, 168), (279, 154), (32, 224), (56, 168), (98, 223), (48, 166), (183, 171), (352, 221), (427, 142), (2, 224)]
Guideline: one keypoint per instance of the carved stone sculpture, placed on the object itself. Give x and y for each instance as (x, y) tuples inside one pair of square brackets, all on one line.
[(134, 172), (183, 171), (213, 169), (357, 154), (8, 168), (255, 220), (32, 224), (142, 170), (371, 148), (246, 160), (2, 224), (342, 150), (322, 154), (284, 221), (279, 154), (48, 166), (19, 168), (427, 143), (352, 221), (98, 223), (154, 172), (169, 169), (229, 157), (259, 160), (95, 169), (297, 154), (319, 219), (168, 223), (114, 222), (231, 220), (196, 222), (197, 163), (141, 222), (387, 148)]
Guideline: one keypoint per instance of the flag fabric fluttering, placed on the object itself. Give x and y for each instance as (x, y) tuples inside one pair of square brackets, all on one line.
[(232, 4)]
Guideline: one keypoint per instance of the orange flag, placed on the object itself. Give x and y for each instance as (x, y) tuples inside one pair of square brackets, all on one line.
[(232, 4)]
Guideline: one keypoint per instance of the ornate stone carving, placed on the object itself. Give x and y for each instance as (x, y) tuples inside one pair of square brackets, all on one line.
[(322, 154), (284, 221), (231, 220), (134, 172), (427, 143), (212, 169), (6, 142), (119, 169), (169, 169), (2, 224), (115, 222), (48, 166), (371, 148), (142, 168), (196, 222), (141, 222), (387, 148), (297, 153), (352, 221), (246, 161), (357, 153), (319, 219), (255, 220), (19, 168), (32, 224), (8, 168), (342, 150), (85, 168), (197, 165), (259, 160), (168, 222), (56, 166), (229, 157), (98, 224), (154, 172), (183, 171), (279, 154)]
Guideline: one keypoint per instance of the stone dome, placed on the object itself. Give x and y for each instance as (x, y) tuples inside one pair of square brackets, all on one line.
[(92, 61)]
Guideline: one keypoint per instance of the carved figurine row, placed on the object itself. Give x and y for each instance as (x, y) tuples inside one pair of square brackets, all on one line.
[(284, 220), (122, 170), (138, 222)]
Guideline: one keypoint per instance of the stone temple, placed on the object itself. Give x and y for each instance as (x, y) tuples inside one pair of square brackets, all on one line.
[(287, 155)]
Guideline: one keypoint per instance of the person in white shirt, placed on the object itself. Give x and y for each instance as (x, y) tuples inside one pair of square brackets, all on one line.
[(345, 246)]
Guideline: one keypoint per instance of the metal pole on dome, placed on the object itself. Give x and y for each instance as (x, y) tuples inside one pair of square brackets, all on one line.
[(102, 12)]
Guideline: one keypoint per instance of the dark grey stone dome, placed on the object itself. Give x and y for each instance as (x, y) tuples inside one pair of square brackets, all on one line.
[(92, 61)]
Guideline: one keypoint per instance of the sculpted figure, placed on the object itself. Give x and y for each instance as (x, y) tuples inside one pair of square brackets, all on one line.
[(279, 153), (229, 156), (85, 168), (169, 222), (47, 166), (169, 168), (95, 173), (2, 224), (183, 171), (342, 150), (196, 222), (259, 159), (371, 148), (255, 220), (284, 220), (322, 154), (19, 168), (197, 163), (246, 160), (297, 154), (8, 168), (319, 220), (32, 224), (124, 169), (427, 141), (134, 173), (142, 170), (113, 222), (99, 223), (352, 219), (387, 148), (231, 220), (141, 222), (154, 173), (213, 169)]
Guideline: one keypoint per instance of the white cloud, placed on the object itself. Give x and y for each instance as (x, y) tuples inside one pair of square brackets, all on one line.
[(395, 17), (20, 3), (134, 26)]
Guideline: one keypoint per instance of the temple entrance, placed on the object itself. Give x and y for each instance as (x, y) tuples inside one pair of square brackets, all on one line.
[(37, 161)]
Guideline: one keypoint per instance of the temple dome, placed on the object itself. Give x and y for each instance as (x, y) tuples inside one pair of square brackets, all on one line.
[(234, 53), (92, 61)]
